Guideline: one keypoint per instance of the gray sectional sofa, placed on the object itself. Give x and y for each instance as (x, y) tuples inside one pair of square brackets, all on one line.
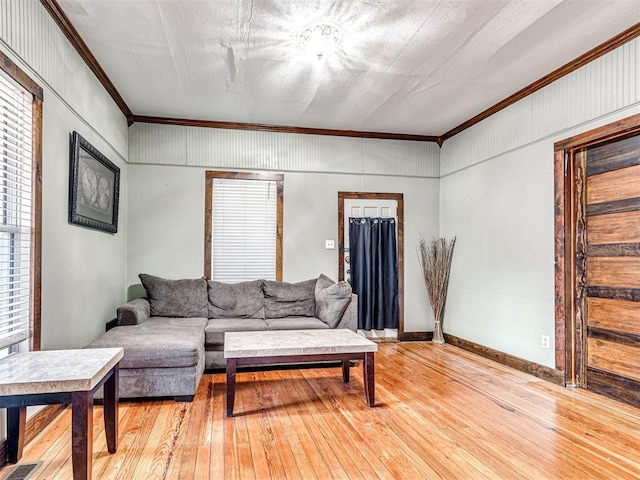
[(173, 335)]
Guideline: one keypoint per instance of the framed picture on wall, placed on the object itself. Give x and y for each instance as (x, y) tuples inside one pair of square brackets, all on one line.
[(94, 187)]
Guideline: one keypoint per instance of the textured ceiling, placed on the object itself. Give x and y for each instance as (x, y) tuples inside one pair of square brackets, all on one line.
[(404, 66)]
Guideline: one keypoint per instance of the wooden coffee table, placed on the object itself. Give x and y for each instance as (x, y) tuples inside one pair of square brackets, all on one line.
[(298, 346), (62, 376)]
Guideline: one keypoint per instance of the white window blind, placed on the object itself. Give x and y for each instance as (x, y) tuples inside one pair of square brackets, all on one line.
[(15, 212), (244, 230)]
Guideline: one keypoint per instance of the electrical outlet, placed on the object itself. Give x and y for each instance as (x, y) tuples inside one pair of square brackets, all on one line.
[(544, 341), (330, 244)]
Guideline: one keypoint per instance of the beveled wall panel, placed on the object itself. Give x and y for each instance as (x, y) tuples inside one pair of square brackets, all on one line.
[(614, 357), (275, 151), (613, 314), (606, 85), (31, 36), (614, 271), (614, 185), (614, 228)]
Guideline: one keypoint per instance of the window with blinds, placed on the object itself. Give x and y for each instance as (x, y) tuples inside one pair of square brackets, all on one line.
[(244, 230), (15, 211)]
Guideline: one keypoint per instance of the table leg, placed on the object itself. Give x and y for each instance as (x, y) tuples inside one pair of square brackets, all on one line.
[(111, 403), (369, 378), (231, 385), (346, 369), (16, 420), (81, 434)]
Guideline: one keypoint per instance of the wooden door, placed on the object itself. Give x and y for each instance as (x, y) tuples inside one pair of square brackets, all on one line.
[(608, 268)]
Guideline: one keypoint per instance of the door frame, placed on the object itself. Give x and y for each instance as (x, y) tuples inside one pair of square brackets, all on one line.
[(569, 233), (399, 198)]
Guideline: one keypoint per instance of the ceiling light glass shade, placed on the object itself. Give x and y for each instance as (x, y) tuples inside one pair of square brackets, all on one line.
[(320, 38)]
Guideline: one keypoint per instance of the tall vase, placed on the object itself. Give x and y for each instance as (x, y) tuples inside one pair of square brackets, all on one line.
[(438, 337), (436, 265)]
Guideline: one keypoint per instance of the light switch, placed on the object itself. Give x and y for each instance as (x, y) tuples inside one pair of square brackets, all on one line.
[(329, 244)]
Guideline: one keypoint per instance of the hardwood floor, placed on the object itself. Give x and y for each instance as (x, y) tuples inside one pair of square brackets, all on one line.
[(441, 413)]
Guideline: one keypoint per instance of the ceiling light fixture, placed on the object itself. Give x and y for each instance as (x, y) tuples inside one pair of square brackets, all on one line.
[(320, 38)]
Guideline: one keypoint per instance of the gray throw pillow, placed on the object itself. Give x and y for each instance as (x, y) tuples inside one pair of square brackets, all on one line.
[(332, 299), (282, 299), (176, 298), (236, 300)]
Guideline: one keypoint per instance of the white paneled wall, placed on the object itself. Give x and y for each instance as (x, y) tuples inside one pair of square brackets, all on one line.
[(28, 32), (496, 196), (250, 150), (83, 270), (607, 85)]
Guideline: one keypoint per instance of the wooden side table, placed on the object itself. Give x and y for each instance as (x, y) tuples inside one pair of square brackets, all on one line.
[(62, 376)]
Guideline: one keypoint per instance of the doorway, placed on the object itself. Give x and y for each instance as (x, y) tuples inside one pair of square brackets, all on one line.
[(598, 260), (373, 205)]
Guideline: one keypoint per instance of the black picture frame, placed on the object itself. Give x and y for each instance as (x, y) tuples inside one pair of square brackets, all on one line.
[(94, 187)]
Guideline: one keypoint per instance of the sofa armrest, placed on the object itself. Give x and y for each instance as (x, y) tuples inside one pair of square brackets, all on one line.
[(350, 316), (134, 312)]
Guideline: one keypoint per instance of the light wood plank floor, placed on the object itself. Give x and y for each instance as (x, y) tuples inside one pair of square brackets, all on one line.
[(441, 413)]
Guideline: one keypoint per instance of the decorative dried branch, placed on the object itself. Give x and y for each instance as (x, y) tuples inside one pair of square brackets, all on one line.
[(436, 256)]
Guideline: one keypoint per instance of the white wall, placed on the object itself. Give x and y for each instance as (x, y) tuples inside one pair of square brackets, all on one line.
[(166, 226), (496, 195), (311, 217), (501, 284), (166, 197), (83, 271), (253, 150)]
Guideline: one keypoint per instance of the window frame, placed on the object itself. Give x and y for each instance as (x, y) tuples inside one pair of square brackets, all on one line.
[(35, 274), (210, 175)]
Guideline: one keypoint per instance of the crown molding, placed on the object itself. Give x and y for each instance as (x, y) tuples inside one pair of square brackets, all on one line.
[(282, 129), (581, 61), (74, 37)]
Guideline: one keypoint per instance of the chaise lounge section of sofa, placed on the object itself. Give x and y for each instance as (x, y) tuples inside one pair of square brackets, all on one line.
[(173, 335)]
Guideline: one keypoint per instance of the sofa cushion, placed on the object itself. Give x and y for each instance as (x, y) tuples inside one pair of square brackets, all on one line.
[(214, 331), (176, 324), (236, 300), (289, 299), (332, 299), (295, 323), (176, 298), (146, 347)]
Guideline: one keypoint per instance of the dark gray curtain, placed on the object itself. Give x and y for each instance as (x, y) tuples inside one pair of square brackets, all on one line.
[(374, 271)]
